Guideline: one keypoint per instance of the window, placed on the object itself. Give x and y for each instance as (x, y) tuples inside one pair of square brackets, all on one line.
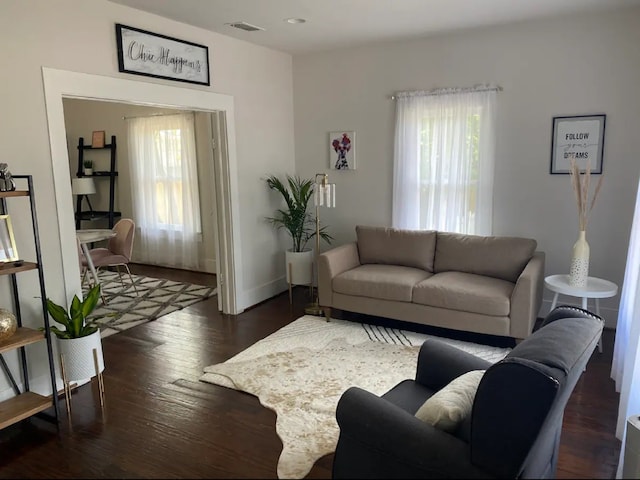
[(169, 179), (165, 196), (443, 161)]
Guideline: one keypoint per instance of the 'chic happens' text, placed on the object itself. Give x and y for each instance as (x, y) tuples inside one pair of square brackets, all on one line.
[(138, 52)]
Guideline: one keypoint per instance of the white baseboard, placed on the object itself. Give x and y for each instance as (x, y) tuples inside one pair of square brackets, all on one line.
[(210, 265), (263, 292)]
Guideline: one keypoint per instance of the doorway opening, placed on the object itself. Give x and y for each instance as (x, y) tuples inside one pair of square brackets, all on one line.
[(164, 187), (61, 85)]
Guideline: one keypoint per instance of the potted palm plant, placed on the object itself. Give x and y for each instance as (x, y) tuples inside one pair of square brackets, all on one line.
[(296, 220), (79, 344)]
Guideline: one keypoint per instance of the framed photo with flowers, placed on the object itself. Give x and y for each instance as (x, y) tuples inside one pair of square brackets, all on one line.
[(342, 150)]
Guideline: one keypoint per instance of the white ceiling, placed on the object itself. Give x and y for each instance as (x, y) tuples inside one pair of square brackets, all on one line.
[(336, 23)]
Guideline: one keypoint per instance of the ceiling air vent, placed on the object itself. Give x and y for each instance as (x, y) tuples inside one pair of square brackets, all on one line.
[(245, 26)]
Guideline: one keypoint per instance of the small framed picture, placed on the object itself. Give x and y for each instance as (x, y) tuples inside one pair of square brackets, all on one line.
[(342, 150), (580, 137), (97, 139), (8, 250)]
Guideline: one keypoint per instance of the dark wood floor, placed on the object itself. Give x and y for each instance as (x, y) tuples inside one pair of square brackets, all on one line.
[(161, 422)]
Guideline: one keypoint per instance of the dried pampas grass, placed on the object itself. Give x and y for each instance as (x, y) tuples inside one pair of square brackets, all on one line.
[(580, 182)]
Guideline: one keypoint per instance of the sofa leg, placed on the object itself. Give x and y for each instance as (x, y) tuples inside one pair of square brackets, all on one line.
[(327, 313)]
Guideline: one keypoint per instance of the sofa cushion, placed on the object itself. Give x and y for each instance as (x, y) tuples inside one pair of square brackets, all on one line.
[(466, 292), (388, 282), (498, 257), (392, 246)]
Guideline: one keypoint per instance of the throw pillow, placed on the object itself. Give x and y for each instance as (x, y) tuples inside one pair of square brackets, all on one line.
[(449, 406)]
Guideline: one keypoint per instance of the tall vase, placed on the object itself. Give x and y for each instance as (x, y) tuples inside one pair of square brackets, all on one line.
[(579, 270)]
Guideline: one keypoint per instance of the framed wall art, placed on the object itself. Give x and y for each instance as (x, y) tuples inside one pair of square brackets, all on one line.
[(97, 139), (342, 150), (8, 250), (153, 55), (580, 137)]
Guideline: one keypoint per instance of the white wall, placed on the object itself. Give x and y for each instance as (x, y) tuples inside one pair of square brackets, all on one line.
[(570, 66), (79, 36)]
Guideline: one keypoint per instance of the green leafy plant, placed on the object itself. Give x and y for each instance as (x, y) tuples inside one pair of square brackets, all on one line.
[(295, 218), (75, 320), (87, 163)]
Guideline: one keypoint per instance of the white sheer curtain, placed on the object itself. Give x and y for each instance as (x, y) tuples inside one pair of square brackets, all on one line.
[(444, 160), (164, 184), (625, 369)]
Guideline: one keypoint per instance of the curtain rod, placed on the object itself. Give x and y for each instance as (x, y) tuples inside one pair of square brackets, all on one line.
[(446, 91), (156, 115)]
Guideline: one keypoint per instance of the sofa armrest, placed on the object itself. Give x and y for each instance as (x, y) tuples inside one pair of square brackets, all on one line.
[(380, 440), (439, 363), (331, 263), (527, 297)]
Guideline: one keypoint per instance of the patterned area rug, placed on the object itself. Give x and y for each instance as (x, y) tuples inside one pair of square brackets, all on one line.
[(155, 297), (301, 370)]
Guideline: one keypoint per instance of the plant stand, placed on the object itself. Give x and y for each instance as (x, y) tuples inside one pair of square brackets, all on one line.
[(67, 383), (291, 284), (299, 268), (81, 358)]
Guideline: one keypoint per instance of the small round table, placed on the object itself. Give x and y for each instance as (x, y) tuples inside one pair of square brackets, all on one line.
[(595, 288)]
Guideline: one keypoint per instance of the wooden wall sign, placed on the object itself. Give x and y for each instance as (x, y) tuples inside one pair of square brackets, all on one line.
[(153, 55)]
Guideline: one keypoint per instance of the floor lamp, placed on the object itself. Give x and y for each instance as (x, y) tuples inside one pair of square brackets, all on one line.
[(324, 195)]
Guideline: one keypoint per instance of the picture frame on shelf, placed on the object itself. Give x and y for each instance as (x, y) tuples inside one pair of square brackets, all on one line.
[(98, 139), (580, 137), (8, 249), (342, 150)]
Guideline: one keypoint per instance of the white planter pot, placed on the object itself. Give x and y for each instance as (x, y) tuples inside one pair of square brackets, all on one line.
[(301, 269), (77, 353), (88, 171)]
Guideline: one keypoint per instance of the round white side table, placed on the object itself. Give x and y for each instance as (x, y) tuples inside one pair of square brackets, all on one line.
[(596, 288)]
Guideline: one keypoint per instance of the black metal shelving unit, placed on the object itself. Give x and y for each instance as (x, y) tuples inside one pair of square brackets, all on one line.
[(111, 215), (26, 403)]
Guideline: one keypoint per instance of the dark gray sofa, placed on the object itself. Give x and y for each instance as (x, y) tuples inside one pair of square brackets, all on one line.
[(516, 420)]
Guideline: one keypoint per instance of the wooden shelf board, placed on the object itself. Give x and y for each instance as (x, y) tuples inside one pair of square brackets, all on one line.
[(14, 193), (89, 147), (97, 215), (22, 406), (100, 174), (23, 336), (7, 268)]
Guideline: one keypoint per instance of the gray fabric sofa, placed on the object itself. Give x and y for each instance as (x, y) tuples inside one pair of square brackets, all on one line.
[(512, 431), (482, 284)]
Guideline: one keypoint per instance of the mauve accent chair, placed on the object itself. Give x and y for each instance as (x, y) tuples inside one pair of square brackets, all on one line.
[(118, 251), (514, 427)]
